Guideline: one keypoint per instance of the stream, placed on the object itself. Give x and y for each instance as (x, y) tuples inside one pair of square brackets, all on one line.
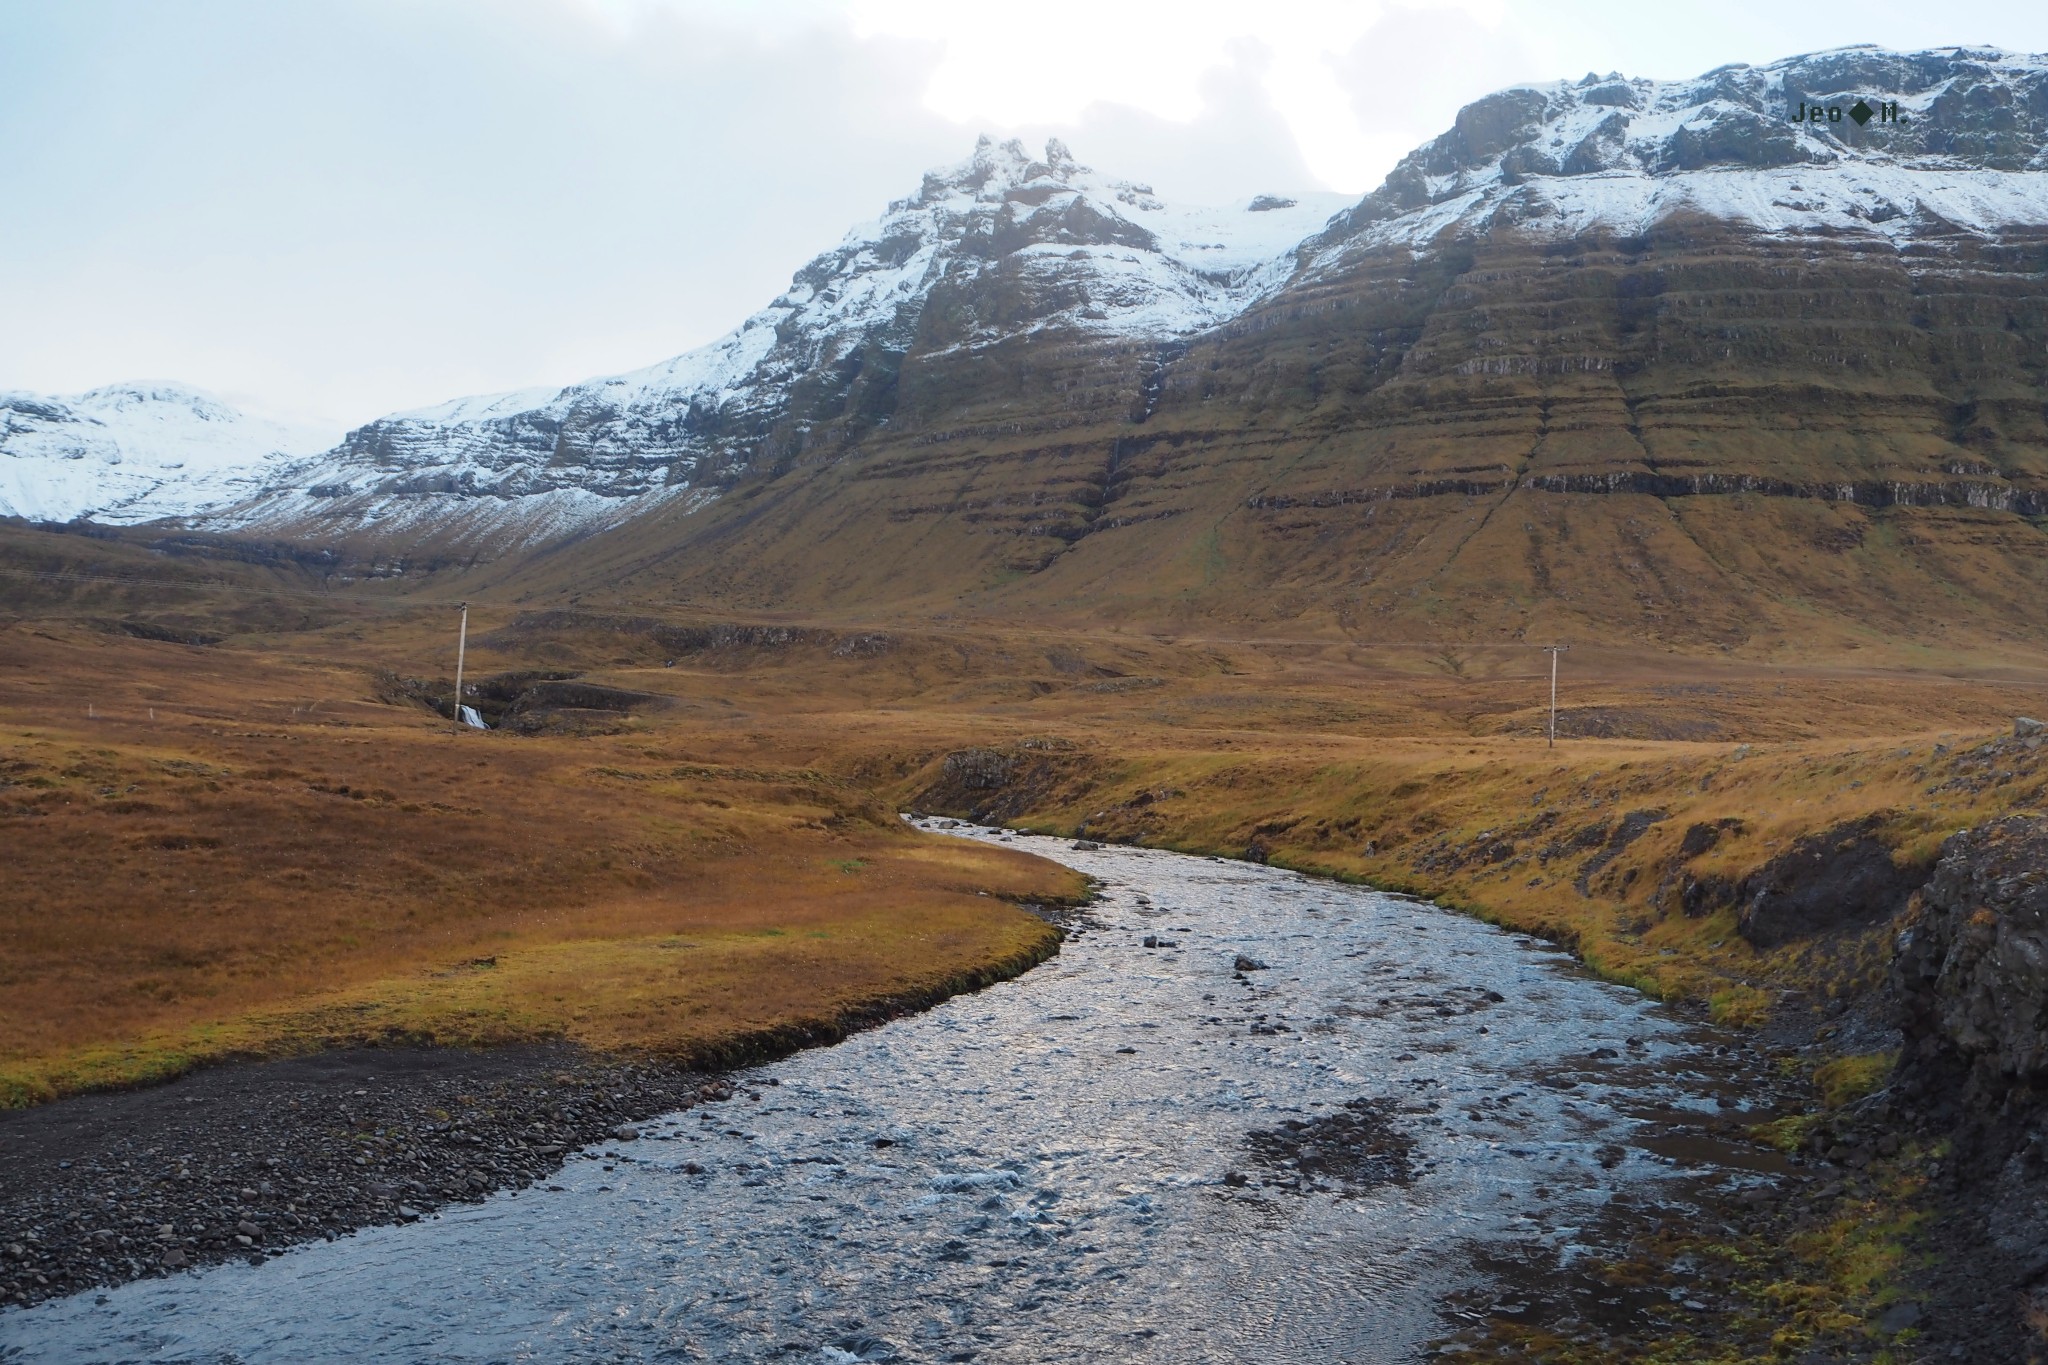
[(1392, 1118)]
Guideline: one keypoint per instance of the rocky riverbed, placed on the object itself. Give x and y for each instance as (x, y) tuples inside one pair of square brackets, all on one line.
[(241, 1162)]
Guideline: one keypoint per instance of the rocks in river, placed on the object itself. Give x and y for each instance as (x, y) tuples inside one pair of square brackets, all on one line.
[(1357, 1148), (1085, 846), (175, 1259), (626, 1132), (1249, 964)]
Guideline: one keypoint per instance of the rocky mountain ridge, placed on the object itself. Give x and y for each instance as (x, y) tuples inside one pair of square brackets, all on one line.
[(1007, 250), (1960, 141), (1464, 418), (1004, 244)]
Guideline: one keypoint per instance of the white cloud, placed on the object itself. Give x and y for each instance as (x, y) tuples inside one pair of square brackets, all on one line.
[(1050, 63)]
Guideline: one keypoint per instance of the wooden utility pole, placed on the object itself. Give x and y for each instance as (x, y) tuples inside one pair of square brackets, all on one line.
[(461, 645), (1553, 651)]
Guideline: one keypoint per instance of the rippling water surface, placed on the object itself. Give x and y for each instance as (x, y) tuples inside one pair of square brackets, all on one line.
[(1130, 1153)]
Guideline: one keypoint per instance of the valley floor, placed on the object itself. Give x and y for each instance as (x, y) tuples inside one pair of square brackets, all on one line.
[(237, 834)]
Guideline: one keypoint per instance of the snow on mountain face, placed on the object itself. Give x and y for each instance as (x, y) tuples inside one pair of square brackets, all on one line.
[(1008, 245), (135, 452), (1968, 150), (1069, 250)]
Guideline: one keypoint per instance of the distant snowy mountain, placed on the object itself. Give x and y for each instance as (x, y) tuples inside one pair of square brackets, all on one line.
[(1000, 245), (137, 452), (1956, 140)]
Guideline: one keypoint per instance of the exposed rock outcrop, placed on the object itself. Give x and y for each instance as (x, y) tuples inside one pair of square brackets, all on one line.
[(1971, 978), (1972, 965), (997, 785), (1839, 878)]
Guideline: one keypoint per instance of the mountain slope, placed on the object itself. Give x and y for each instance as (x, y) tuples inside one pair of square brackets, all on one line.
[(136, 452), (1001, 246), (1698, 416)]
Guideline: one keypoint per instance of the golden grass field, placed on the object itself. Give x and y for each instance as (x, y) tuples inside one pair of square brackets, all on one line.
[(273, 863), (255, 845)]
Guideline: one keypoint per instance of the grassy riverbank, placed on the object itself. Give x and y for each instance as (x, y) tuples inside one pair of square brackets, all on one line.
[(232, 855), (1636, 854)]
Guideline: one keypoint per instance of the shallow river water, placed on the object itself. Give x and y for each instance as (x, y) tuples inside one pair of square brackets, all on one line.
[(1128, 1154)]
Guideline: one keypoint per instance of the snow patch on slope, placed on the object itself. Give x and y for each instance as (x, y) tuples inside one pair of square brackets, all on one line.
[(128, 453)]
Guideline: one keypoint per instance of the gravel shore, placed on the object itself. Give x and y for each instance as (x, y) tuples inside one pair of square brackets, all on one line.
[(241, 1161)]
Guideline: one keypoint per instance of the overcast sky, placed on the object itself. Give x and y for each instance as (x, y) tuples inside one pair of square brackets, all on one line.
[(347, 207)]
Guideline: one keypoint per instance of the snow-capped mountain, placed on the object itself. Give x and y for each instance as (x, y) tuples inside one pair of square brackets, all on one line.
[(1000, 245), (138, 452), (1021, 258), (1955, 140)]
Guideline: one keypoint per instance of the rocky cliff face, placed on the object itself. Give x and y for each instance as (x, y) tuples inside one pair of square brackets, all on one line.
[(1972, 965), (1971, 978)]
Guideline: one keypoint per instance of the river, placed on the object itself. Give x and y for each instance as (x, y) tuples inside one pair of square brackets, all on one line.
[(1131, 1153)]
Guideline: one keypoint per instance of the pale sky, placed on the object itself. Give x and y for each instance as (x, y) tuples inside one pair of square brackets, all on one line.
[(342, 208)]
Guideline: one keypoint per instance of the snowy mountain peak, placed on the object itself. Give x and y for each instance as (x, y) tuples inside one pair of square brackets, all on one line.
[(1002, 245), (138, 451), (159, 398), (993, 172), (1954, 137)]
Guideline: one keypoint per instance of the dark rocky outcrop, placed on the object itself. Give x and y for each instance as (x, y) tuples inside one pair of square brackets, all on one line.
[(1971, 981), (1845, 877), (997, 785), (1972, 965)]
